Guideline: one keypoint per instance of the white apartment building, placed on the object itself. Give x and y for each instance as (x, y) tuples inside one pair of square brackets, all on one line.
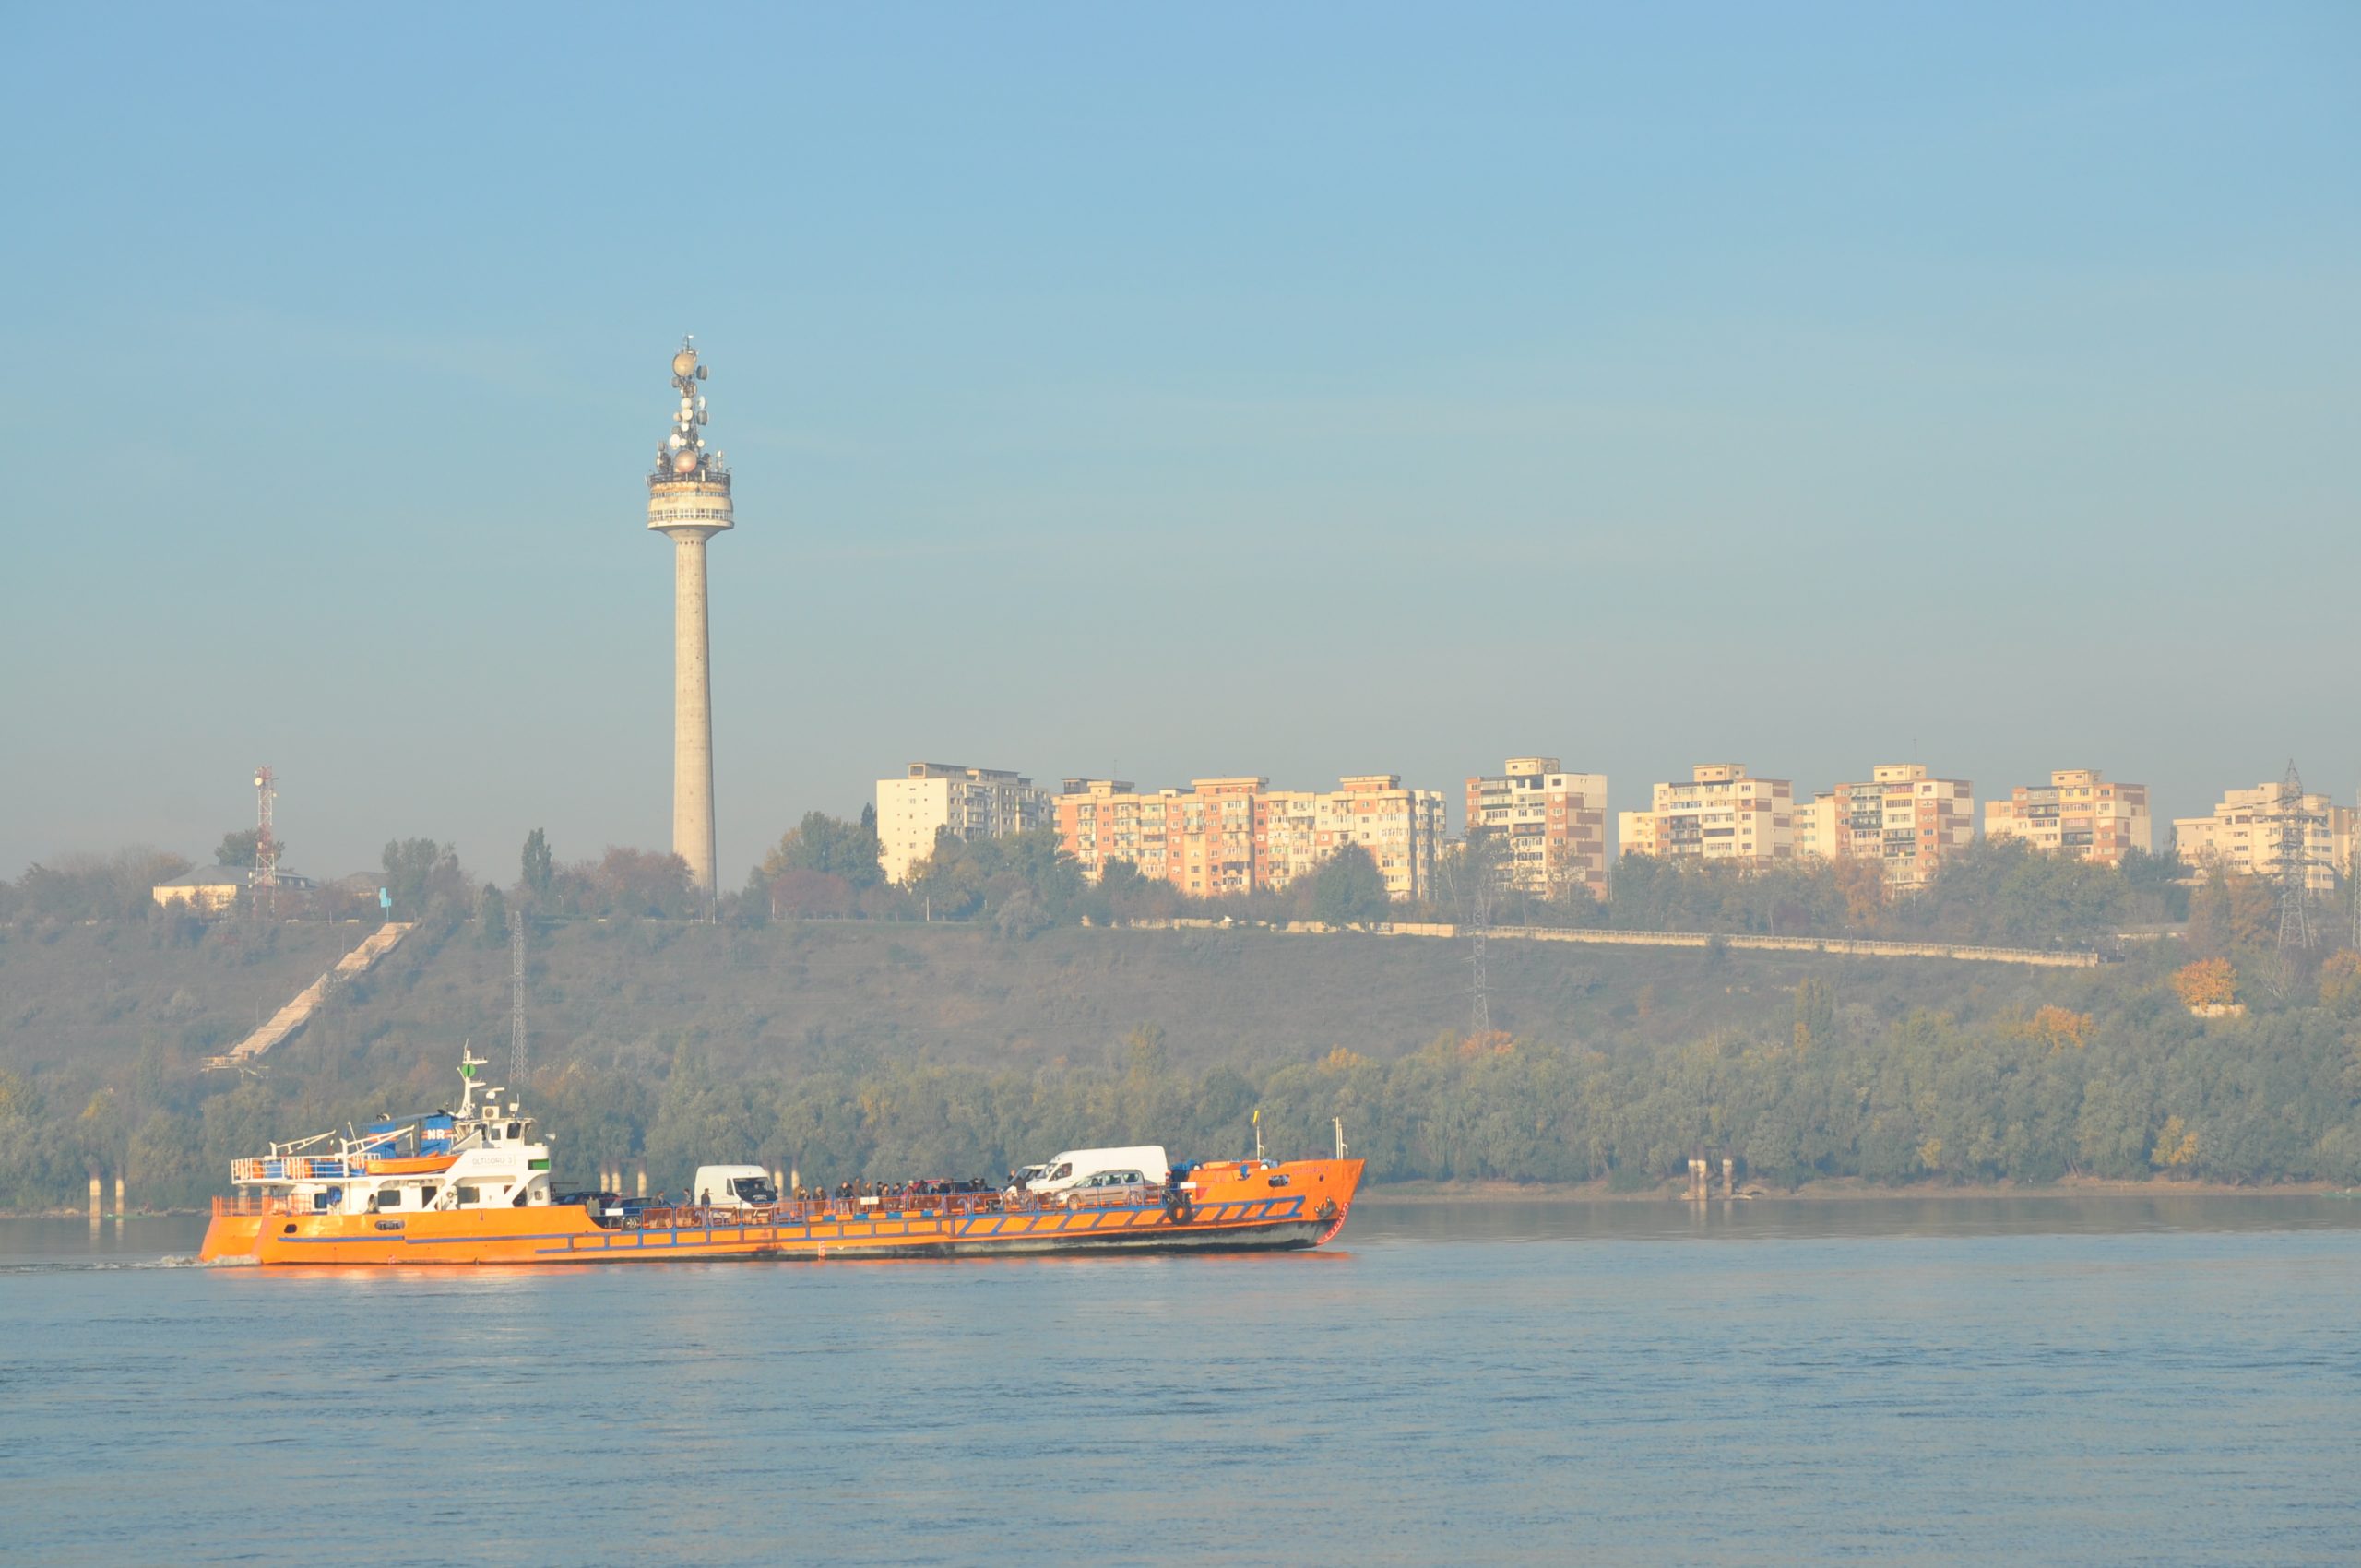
[(1722, 813), (2246, 829), (1551, 823), (973, 802)]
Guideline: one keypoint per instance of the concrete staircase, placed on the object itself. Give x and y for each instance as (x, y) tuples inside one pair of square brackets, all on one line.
[(298, 1013)]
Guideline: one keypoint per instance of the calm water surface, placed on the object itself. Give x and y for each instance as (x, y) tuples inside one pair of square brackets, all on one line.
[(2053, 1380)]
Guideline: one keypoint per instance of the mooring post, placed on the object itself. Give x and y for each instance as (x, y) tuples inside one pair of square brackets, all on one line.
[(1729, 1177), (95, 1202), (643, 1179), (118, 1197)]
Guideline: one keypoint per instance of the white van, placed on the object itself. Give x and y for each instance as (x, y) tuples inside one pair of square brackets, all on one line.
[(1074, 1167), (734, 1186)]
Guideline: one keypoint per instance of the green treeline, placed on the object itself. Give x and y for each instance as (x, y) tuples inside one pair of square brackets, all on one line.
[(1819, 1087), (825, 868)]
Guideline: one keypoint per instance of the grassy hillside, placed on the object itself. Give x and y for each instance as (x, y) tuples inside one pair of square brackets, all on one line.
[(802, 997)]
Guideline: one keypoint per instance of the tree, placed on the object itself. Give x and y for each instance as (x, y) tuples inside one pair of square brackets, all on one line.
[(828, 845), (2061, 1026), (796, 892), (2208, 982), (238, 848), (1815, 1014), (423, 878), (2176, 1146), (1348, 889), (538, 871), (644, 882), (492, 916), (2341, 983)]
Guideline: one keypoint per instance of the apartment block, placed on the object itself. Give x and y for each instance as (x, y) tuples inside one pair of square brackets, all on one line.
[(1209, 838), (1552, 824), (2247, 829), (1107, 819), (973, 802), (1901, 816), (1401, 829), (1221, 837), (1722, 813), (2079, 814)]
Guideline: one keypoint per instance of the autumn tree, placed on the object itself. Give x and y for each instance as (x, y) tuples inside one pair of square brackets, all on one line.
[(2208, 982), (2176, 1146), (2341, 983), (2061, 1026)]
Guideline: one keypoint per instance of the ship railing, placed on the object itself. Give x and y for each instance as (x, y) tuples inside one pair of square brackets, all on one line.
[(806, 1211), (300, 1168), (252, 1203), (933, 1205)]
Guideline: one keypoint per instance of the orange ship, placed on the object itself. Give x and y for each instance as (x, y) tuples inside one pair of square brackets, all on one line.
[(472, 1186)]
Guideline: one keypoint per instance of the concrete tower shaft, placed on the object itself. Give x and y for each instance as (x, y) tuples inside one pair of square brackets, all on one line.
[(688, 499)]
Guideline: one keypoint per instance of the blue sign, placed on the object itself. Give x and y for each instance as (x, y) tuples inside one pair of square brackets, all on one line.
[(385, 899)]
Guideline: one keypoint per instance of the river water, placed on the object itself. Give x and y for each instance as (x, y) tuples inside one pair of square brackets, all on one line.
[(2102, 1381)]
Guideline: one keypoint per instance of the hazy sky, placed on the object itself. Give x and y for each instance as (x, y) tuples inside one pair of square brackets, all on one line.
[(1297, 390)]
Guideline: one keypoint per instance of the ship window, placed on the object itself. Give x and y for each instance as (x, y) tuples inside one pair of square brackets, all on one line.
[(515, 1129), (466, 1195)]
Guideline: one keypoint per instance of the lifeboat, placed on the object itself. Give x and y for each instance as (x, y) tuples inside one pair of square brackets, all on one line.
[(411, 1165)]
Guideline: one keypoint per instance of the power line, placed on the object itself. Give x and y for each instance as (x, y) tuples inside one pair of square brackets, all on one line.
[(2294, 864)]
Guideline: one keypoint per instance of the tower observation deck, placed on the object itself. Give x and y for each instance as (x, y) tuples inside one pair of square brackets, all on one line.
[(688, 499)]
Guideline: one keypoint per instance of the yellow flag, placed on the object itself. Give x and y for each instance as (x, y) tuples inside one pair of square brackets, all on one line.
[(1258, 1116)]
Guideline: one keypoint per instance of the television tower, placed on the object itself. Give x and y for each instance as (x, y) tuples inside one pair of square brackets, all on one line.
[(688, 498)]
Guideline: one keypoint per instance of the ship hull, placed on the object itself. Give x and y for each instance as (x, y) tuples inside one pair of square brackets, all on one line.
[(1247, 1213)]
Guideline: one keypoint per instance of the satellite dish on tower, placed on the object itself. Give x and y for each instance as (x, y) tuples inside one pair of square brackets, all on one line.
[(686, 363)]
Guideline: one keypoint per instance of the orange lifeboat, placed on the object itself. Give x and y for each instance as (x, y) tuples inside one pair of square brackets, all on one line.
[(411, 1165)]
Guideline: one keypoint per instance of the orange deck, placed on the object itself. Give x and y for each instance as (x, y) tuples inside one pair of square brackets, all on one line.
[(1237, 1206)]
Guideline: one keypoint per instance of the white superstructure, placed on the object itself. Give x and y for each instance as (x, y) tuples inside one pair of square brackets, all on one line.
[(481, 1155)]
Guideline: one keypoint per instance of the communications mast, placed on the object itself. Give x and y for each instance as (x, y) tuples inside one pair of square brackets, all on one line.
[(266, 874)]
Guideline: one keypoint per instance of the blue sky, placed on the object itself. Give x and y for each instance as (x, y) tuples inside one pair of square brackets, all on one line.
[(1295, 390)]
